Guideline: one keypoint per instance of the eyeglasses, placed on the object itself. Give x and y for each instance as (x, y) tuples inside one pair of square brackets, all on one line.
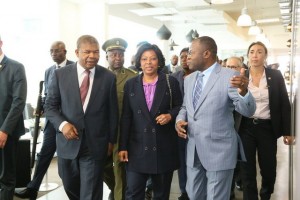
[(232, 67)]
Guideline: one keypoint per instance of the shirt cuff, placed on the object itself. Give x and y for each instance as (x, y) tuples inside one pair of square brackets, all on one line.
[(62, 125)]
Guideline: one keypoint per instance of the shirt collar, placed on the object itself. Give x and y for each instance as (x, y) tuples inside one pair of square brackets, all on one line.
[(64, 63), (80, 69), (1, 57)]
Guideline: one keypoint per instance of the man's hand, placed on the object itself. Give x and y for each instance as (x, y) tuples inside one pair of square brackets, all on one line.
[(123, 156), (241, 82), (70, 132), (289, 140), (181, 129), (3, 139)]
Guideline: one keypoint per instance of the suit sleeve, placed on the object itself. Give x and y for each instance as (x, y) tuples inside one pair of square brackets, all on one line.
[(113, 114), (285, 106), (19, 94)]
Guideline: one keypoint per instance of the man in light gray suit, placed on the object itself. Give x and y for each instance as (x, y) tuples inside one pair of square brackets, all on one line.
[(207, 121)]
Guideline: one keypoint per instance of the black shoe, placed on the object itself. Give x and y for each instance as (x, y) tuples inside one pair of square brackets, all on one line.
[(111, 196), (27, 193), (239, 186), (148, 194), (183, 196)]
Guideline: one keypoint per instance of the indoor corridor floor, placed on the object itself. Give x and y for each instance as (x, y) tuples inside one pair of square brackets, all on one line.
[(280, 192)]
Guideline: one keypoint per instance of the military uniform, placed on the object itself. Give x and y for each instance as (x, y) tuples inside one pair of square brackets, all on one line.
[(114, 173)]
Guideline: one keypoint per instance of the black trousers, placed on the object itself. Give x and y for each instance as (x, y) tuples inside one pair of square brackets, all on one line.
[(136, 184), (258, 137), (44, 158), (8, 159)]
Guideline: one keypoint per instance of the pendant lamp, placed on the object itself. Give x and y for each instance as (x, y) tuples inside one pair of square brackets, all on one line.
[(172, 45), (244, 19), (221, 1), (189, 36), (254, 29), (163, 33), (195, 34)]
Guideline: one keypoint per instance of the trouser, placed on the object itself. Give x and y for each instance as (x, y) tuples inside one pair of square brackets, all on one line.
[(258, 138), (8, 159), (115, 175), (44, 158), (136, 184)]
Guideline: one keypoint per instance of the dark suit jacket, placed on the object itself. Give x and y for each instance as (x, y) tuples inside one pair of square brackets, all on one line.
[(48, 76), (99, 121), (13, 92), (280, 108), (152, 148)]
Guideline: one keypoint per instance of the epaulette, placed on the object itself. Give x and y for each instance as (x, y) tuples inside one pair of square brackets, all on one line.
[(131, 70)]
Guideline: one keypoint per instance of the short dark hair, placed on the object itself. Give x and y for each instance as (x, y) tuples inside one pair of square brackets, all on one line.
[(186, 49), (86, 39), (260, 44), (146, 47), (210, 44)]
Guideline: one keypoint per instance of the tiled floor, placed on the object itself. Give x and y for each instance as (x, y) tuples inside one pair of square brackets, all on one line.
[(280, 193)]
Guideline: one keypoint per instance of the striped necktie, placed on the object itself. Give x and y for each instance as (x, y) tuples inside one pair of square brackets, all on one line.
[(84, 88), (197, 89)]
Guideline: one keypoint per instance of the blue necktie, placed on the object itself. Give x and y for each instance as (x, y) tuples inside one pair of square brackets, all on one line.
[(197, 89)]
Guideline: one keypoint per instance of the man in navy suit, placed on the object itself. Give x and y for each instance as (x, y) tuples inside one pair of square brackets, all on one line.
[(13, 92), (58, 53), (82, 106)]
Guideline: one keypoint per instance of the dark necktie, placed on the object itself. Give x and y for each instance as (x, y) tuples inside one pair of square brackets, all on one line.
[(84, 88), (198, 89)]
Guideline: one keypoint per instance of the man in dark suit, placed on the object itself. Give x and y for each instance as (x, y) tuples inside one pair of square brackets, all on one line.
[(58, 53), (82, 106), (13, 92)]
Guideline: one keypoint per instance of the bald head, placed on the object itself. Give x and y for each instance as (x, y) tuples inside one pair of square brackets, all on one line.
[(58, 51), (234, 63)]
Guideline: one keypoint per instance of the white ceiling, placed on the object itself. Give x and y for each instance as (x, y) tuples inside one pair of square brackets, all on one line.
[(218, 21)]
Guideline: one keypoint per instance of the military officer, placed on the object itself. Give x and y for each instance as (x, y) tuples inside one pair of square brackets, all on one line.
[(114, 173)]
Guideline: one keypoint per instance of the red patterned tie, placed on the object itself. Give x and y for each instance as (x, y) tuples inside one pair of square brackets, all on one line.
[(84, 88)]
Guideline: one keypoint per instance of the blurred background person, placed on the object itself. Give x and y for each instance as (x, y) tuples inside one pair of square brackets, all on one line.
[(235, 63), (271, 120), (180, 76), (148, 141), (173, 66), (58, 54)]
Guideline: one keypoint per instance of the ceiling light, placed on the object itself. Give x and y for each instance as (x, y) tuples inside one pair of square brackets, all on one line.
[(172, 45), (244, 19), (254, 29), (221, 1)]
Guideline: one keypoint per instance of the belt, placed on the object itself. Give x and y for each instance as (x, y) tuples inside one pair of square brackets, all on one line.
[(257, 120)]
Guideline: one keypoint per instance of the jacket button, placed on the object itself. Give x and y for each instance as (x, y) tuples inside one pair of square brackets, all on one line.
[(139, 111), (145, 130), (153, 130), (146, 148), (154, 148)]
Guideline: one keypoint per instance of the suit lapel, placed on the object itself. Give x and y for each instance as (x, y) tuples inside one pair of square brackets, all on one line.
[(159, 94), (3, 63), (269, 83), (95, 88), (74, 84), (141, 97), (214, 76)]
